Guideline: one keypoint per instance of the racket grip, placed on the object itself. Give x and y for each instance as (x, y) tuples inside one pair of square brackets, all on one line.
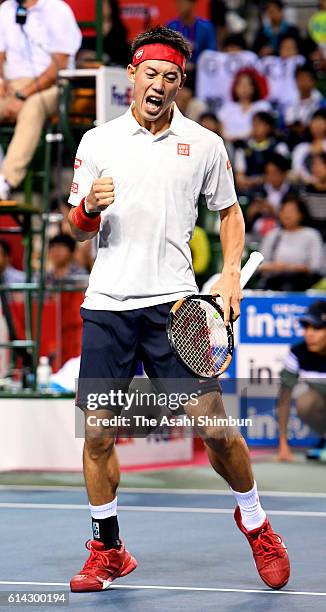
[(250, 267)]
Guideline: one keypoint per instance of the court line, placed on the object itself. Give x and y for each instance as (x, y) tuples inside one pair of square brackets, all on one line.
[(182, 510), (172, 588), (161, 490)]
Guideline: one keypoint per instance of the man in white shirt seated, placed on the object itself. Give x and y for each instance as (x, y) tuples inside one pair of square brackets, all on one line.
[(31, 55)]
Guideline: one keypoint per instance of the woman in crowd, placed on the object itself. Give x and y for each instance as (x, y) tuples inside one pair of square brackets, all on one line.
[(315, 193), (115, 40), (303, 152), (249, 87), (293, 252)]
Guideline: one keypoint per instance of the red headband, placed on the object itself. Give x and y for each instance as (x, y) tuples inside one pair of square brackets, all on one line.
[(159, 51)]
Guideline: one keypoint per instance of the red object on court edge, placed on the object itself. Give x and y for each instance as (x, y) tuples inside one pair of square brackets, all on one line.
[(269, 551), (158, 51), (102, 567), (82, 221)]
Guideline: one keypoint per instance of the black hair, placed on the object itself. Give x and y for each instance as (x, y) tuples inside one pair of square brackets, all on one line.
[(290, 36), (305, 69), (5, 246), (320, 113), (278, 3), (164, 36), (235, 40), (301, 206), (265, 118), (281, 162), (207, 115), (65, 240)]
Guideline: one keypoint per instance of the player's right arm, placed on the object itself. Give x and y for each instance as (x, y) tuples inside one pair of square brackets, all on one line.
[(90, 193), (99, 198)]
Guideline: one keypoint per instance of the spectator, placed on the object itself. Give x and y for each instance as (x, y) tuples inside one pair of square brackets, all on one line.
[(262, 212), (8, 274), (62, 268), (250, 160), (199, 32), (30, 58), (274, 28), (306, 362), (314, 193), (188, 104), (234, 43), (317, 26), (115, 38), (289, 46), (236, 116), (210, 122), (302, 153), (294, 252), (309, 98)]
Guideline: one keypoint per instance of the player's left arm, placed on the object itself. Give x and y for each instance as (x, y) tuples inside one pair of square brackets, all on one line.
[(232, 236)]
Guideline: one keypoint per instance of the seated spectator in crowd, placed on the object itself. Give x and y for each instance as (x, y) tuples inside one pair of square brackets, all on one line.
[(236, 116), (250, 159), (293, 252), (314, 193), (8, 274), (289, 46), (303, 152), (305, 363), (199, 32), (210, 122), (190, 106), (234, 43), (30, 59), (262, 212), (309, 98), (61, 265), (274, 28), (115, 38)]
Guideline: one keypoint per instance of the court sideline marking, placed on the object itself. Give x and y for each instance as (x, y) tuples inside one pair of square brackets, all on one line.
[(170, 588), (162, 491), (42, 506)]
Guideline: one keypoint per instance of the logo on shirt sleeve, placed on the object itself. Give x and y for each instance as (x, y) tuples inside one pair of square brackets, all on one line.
[(78, 163), (74, 187), (228, 165), (183, 149)]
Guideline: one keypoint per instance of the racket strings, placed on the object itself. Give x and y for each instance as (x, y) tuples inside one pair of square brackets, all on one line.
[(200, 337)]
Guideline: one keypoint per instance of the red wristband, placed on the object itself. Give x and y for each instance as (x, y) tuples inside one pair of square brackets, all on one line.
[(83, 221)]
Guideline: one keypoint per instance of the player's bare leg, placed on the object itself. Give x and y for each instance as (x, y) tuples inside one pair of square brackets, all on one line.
[(100, 461), (229, 457), (108, 558)]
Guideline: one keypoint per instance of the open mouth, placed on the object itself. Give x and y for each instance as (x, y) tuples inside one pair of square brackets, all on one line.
[(153, 103)]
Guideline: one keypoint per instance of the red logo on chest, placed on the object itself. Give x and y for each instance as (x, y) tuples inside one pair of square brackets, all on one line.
[(183, 149)]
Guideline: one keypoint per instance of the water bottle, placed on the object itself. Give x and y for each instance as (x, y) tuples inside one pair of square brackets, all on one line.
[(43, 374)]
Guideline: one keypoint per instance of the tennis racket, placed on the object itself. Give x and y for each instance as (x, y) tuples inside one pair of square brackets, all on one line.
[(197, 333)]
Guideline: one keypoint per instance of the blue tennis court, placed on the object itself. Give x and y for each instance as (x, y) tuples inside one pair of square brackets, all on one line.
[(190, 553)]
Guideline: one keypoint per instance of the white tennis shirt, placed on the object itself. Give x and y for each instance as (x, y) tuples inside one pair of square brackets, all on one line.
[(144, 256), (50, 27)]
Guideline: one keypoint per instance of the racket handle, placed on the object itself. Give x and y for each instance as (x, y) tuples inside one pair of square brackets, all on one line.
[(250, 267)]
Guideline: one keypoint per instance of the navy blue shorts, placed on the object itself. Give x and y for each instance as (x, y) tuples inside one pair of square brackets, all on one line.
[(114, 342)]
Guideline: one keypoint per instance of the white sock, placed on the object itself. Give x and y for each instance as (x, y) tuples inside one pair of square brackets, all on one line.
[(104, 511), (252, 514)]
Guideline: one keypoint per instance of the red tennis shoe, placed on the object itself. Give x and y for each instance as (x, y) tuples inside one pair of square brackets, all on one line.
[(102, 567), (269, 551)]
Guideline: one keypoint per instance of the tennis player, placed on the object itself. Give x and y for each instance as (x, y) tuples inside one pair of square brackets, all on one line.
[(137, 183)]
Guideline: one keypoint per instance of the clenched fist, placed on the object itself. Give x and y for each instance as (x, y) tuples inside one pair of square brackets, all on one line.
[(101, 195)]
